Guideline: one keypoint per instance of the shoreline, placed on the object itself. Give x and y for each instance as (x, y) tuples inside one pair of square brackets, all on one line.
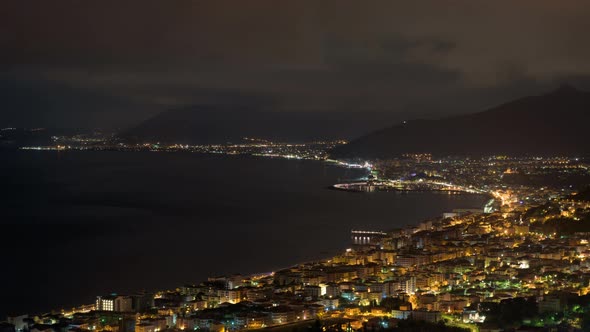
[(313, 261)]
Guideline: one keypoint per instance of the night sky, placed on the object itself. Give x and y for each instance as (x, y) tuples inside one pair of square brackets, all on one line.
[(114, 63)]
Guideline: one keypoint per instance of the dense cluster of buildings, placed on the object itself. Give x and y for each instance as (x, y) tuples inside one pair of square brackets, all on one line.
[(441, 267), (459, 268)]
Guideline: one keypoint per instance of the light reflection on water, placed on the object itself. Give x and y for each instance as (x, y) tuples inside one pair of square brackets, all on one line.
[(102, 222)]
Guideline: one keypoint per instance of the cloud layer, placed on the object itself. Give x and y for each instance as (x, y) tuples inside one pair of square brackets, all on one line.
[(419, 56)]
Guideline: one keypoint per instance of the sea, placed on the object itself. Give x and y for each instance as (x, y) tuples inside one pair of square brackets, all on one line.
[(77, 224)]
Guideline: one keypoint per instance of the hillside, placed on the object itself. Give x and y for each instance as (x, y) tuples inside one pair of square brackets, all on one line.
[(213, 124), (555, 123)]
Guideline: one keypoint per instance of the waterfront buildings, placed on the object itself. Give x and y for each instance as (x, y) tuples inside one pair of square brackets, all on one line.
[(527, 254)]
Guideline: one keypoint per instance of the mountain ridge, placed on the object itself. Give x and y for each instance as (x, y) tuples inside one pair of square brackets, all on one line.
[(547, 124), (206, 124)]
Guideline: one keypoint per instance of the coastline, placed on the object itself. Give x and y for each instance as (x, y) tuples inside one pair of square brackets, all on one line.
[(281, 169)]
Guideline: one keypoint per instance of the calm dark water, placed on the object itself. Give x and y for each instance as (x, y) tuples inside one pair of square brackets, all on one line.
[(78, 224)]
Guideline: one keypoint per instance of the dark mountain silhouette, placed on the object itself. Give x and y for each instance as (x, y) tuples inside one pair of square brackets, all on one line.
[(215, 124), (556, 123)]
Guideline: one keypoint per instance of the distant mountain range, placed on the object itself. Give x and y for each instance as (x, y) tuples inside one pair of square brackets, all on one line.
[(555, 123), (214, 124)]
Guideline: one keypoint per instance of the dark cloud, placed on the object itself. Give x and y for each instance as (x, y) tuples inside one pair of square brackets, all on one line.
[(427, 57)]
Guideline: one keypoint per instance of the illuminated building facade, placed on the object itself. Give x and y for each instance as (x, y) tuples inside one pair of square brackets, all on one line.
[(105, 303)]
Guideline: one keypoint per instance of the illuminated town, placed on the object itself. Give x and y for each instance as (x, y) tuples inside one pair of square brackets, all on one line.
[(248, 146), (519, 261), (295, 166)]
